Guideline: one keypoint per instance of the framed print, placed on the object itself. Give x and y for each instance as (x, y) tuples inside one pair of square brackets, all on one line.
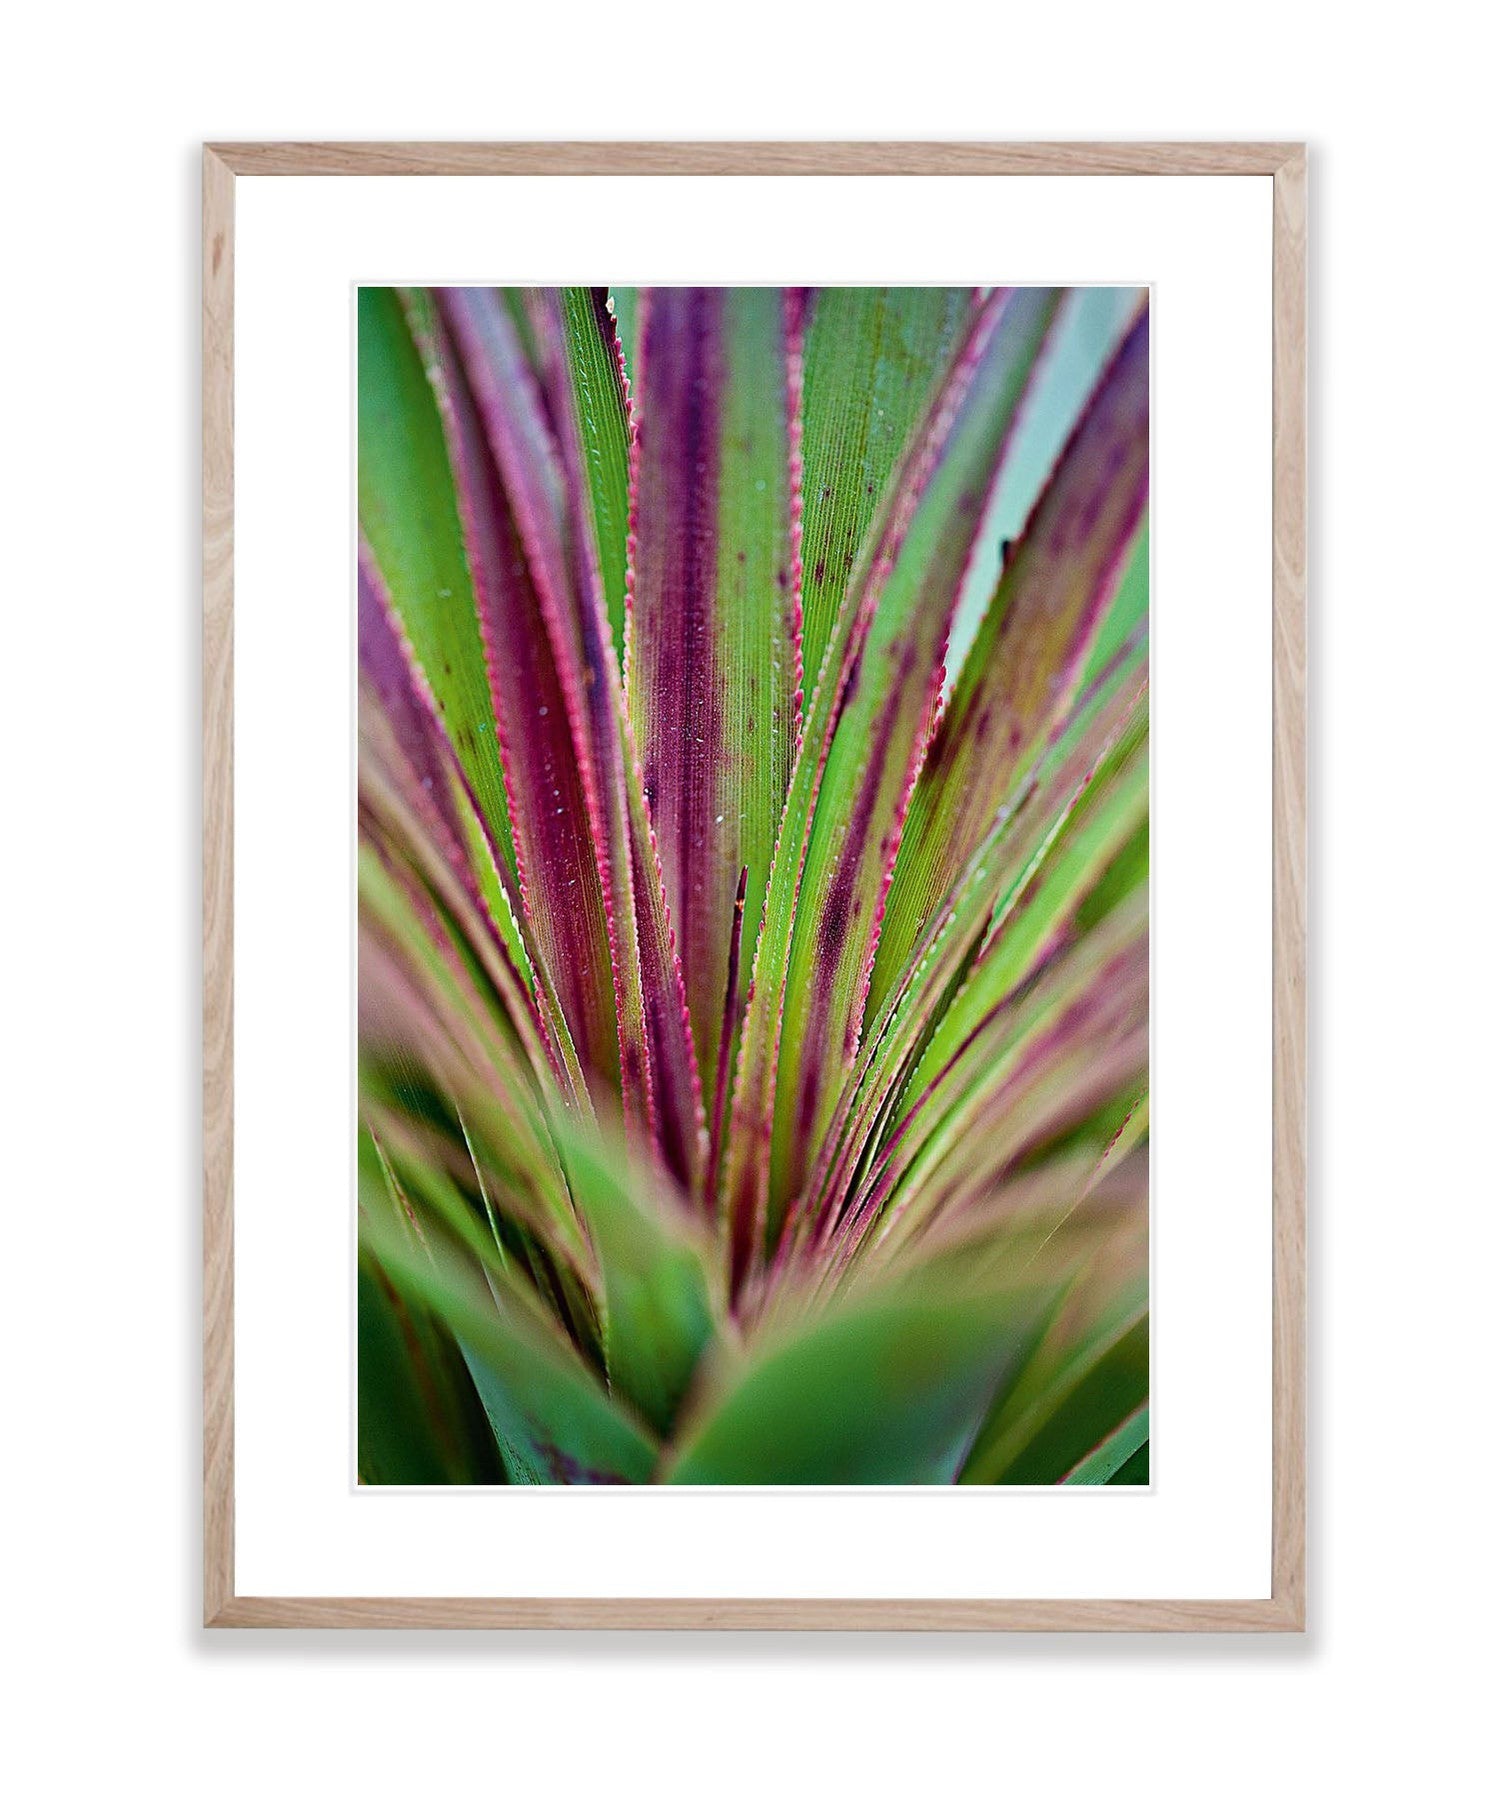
[(754, 808)]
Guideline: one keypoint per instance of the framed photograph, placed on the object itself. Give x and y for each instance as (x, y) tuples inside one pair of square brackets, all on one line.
[(754, 886)]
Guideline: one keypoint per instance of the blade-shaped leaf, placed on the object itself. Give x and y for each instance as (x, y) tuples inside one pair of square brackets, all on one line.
[(884, 712), (538, 1392), (891, 1390), (896, 570), (1136, 1471), (1090, 1395), (1044, 1057), (1020, 850), (558, 866), (713, 642), (1031, 650), (657, 1318), (424, 1029), (757, 828), (537, 439), (647, 957), (416, 1404), (596, 369), (1090, 326), (411, 782), (1129, 611), (873, 359), (408, 512), (1104, 1464), (1040, 908)]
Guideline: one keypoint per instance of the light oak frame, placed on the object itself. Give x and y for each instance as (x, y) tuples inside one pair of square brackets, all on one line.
[(1285, 163)]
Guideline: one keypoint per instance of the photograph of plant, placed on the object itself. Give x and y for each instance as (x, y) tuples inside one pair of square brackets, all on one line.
[(753, 871)]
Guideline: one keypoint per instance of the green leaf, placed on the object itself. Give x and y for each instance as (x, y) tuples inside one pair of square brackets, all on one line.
[(657, 1318), (1015, 855), (562, 878), (539, 1395), (412, 792), (887, 1391), (1032, 649), (863, 731), (873, 359), (1104, 1465), (1048, 892), (417, 1408), (1136, 1471), (408, 513), (1130, 608), (1042, 1060), (539, 441), (596, 371), (883, 715), (702, 555), (1094, 1391), (1090, 324), (522, 1467), (712, 678)]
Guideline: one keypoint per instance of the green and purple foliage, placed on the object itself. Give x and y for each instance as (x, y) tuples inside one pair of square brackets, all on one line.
[(753, 872)]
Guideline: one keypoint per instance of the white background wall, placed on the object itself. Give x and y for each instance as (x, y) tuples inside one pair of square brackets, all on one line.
[(114, 1685)]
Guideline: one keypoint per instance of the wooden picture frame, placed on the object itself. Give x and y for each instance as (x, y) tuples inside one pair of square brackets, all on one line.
[(1285, 163)]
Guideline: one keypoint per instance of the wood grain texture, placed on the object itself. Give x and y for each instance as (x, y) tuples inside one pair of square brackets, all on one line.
[(218, 885), (1285, 1610), (1113, 1615), (1288, 776), (753, 159)]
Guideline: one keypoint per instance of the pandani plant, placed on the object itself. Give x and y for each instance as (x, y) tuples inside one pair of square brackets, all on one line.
[(753, 862)]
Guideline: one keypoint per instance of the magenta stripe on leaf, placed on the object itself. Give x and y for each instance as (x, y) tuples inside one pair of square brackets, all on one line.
[(713, 624), (562, 890), (1032, 648)]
